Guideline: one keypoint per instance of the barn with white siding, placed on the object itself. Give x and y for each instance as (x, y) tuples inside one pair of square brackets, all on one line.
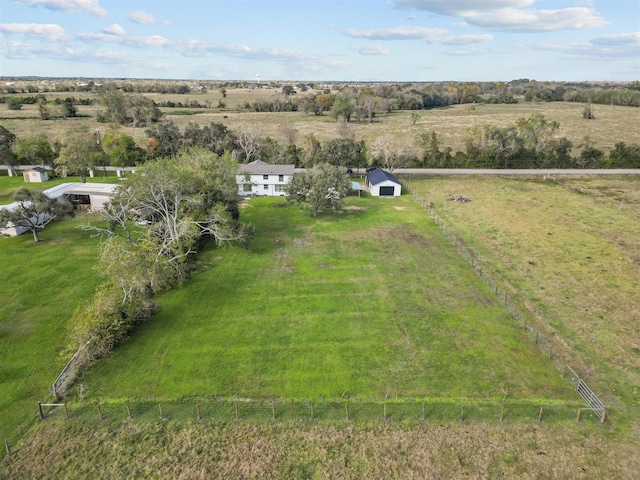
[(382, 184)]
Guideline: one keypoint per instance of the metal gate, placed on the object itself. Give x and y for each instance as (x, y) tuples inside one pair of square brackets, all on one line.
[(595, 404)]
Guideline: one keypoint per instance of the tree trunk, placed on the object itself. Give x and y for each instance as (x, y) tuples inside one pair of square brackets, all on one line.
[(36, 239)]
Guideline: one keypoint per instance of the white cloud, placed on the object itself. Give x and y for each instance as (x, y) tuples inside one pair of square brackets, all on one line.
[(432, 36), (145, 18), (70, 6), (397, 33), (29, 51), (607, 47), (130, 41), (114, 29), (465, 39), (512, 20), (458, 7), (509, 16), (374, 49), (45, 31)]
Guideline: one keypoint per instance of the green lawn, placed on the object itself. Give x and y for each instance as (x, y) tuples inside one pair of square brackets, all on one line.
[(361, 304), (41, 286)]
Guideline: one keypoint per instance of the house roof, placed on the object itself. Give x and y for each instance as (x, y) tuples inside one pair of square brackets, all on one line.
[(258, 167), (378, 176), (37, 169), (80, 189)]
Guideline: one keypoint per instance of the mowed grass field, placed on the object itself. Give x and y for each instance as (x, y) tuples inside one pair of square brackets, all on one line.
[(569, 249), (41, 286), (367, 303)]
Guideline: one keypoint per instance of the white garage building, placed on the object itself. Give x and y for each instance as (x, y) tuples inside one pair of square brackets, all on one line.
[(382, 184)]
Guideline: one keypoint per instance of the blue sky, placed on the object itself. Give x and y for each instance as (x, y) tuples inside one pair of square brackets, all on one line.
[(347, 40)]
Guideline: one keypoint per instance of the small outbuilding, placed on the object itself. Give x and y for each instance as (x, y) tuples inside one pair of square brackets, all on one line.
[(37, 174), (382, 184)]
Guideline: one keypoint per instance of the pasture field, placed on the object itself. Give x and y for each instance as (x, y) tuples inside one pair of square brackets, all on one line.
[(363, 304), (612, 124), (569, 249)]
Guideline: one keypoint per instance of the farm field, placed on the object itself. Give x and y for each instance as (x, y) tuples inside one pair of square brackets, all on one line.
[(613, 123), (568, 248)]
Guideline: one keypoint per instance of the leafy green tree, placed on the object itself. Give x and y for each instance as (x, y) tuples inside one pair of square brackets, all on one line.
[(80, 153), (624, 156), (141, 110), (342, 108), (166, 137), (113, 101), (323, 186), (34, 211), (288, 90), (342, 152), (121, 149), (34, 150), (590, 156), (68, 109), (7, 155), (14, 103)]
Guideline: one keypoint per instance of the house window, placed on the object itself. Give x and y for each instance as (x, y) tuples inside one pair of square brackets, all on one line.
[(279, 188), (266, 187), (265, 177), (246, 187), (281, 178)]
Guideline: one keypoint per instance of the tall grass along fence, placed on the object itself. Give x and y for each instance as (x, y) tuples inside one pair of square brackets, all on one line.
[(225, 410), (546, 341)]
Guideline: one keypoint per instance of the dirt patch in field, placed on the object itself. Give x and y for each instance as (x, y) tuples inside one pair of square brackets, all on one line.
[(353, 208), (400, 208)]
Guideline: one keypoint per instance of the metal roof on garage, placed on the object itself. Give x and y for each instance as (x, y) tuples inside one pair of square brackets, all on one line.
[(378, 176)]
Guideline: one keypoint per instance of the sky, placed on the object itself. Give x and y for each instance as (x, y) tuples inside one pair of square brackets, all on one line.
[(315, 40)]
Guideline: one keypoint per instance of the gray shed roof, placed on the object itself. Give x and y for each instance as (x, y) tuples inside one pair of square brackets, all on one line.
[(258, 167), (378, 176)]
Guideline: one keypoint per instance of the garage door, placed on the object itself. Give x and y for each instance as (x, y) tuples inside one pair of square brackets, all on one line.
[(387, 191)]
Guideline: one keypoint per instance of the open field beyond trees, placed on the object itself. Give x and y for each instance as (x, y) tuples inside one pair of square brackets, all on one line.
[(612, 124), (363, 304)]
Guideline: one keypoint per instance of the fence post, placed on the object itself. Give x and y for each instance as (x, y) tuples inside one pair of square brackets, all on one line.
[(346, 409), (540, 415), (578, 416), (128, 411), (604, 415), (311, 411), (537, 337), (502, 413), (273, 411), (462, 414), (198, 412), (235, 405), (160, 411), (66, 412), (6, 447), (40, 410), (385, 412), (99, 411), (423, 412)]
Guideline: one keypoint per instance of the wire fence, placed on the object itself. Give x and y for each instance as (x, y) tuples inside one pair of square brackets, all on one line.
[(226, 410), (546, 340)]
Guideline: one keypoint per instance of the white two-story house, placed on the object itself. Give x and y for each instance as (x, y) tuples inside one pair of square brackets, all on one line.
[(263, 179)]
